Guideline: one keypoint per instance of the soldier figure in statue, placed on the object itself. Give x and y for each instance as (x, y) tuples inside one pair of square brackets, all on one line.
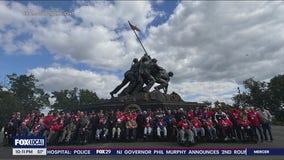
[(145, 73), (129, 76), (161, 76), (163, 79)]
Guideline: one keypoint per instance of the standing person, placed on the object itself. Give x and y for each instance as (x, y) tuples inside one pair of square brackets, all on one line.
[(24, 130), (235, 116), (265, 120), (254, 118), (141, 119)]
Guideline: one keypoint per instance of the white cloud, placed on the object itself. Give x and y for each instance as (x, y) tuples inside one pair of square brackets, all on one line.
[(95, 34), (55, 79), (205, 44), (211, 41), (210, 91)]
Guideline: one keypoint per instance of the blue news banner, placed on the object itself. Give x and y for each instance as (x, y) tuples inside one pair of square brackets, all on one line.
[(27, 145)]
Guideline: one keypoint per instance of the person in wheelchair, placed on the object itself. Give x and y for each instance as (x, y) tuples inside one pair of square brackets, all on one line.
[(184, 130), (148, 127), (226, 126), (161, 128), (246, 130), (102, 128), (117, 128)]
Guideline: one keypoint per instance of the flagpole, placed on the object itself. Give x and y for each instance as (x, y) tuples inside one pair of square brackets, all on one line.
[(137, 38)]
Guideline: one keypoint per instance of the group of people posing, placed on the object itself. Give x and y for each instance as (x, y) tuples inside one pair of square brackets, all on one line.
[(186, 127)]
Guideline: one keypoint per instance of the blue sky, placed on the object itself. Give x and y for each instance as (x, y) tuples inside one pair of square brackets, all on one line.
[(19, 63), (210, 46)]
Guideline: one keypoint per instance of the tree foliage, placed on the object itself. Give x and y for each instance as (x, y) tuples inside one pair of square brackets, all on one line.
[(8, 104), (276, 89), (24, 87), (263, 94), (22, 96), (73, 99)]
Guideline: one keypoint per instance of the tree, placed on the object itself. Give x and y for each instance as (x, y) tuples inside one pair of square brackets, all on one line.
[(276, 89), (222, 105), (263, 94), (242, 99), (8, 104), (30, 96), (73, 99), (65, 99), (259, 95), (87, 97)]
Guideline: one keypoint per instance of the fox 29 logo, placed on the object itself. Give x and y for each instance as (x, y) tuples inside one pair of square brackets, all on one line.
[(29, 142)]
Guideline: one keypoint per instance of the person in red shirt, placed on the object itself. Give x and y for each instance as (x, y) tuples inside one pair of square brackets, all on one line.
[(235, 116), (226, 126), (211, 128), (208, 113), (185, 128), (190, 115), (244, 124), (27, 120), (254, 118), (148, 126), (197, 127), (54, 132)]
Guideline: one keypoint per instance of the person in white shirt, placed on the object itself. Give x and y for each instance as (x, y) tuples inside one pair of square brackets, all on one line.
[(265, 120)]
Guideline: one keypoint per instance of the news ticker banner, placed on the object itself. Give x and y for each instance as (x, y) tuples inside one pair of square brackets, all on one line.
[(29, 145), (37, 146), (150, 151)]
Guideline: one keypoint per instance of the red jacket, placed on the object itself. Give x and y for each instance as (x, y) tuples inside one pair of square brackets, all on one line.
[(225, 122), (253, 117), (47, 121), (208, 113), (27, 121), (55, 127), (244, 123), (236, 113), (183, 124), (196, 123), (190, 115), (36, 128), (209, 123)]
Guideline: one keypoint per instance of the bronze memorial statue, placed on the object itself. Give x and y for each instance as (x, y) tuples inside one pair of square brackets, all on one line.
[(133, 93), (146, 72)]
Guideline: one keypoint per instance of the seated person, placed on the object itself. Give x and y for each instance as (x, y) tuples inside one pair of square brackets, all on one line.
[(185, 128), (117, 128), (102, 127), (161, 127), (148, 127), (131, 126), (211, 128), (197, 127), (226, 127), (244, 125)]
